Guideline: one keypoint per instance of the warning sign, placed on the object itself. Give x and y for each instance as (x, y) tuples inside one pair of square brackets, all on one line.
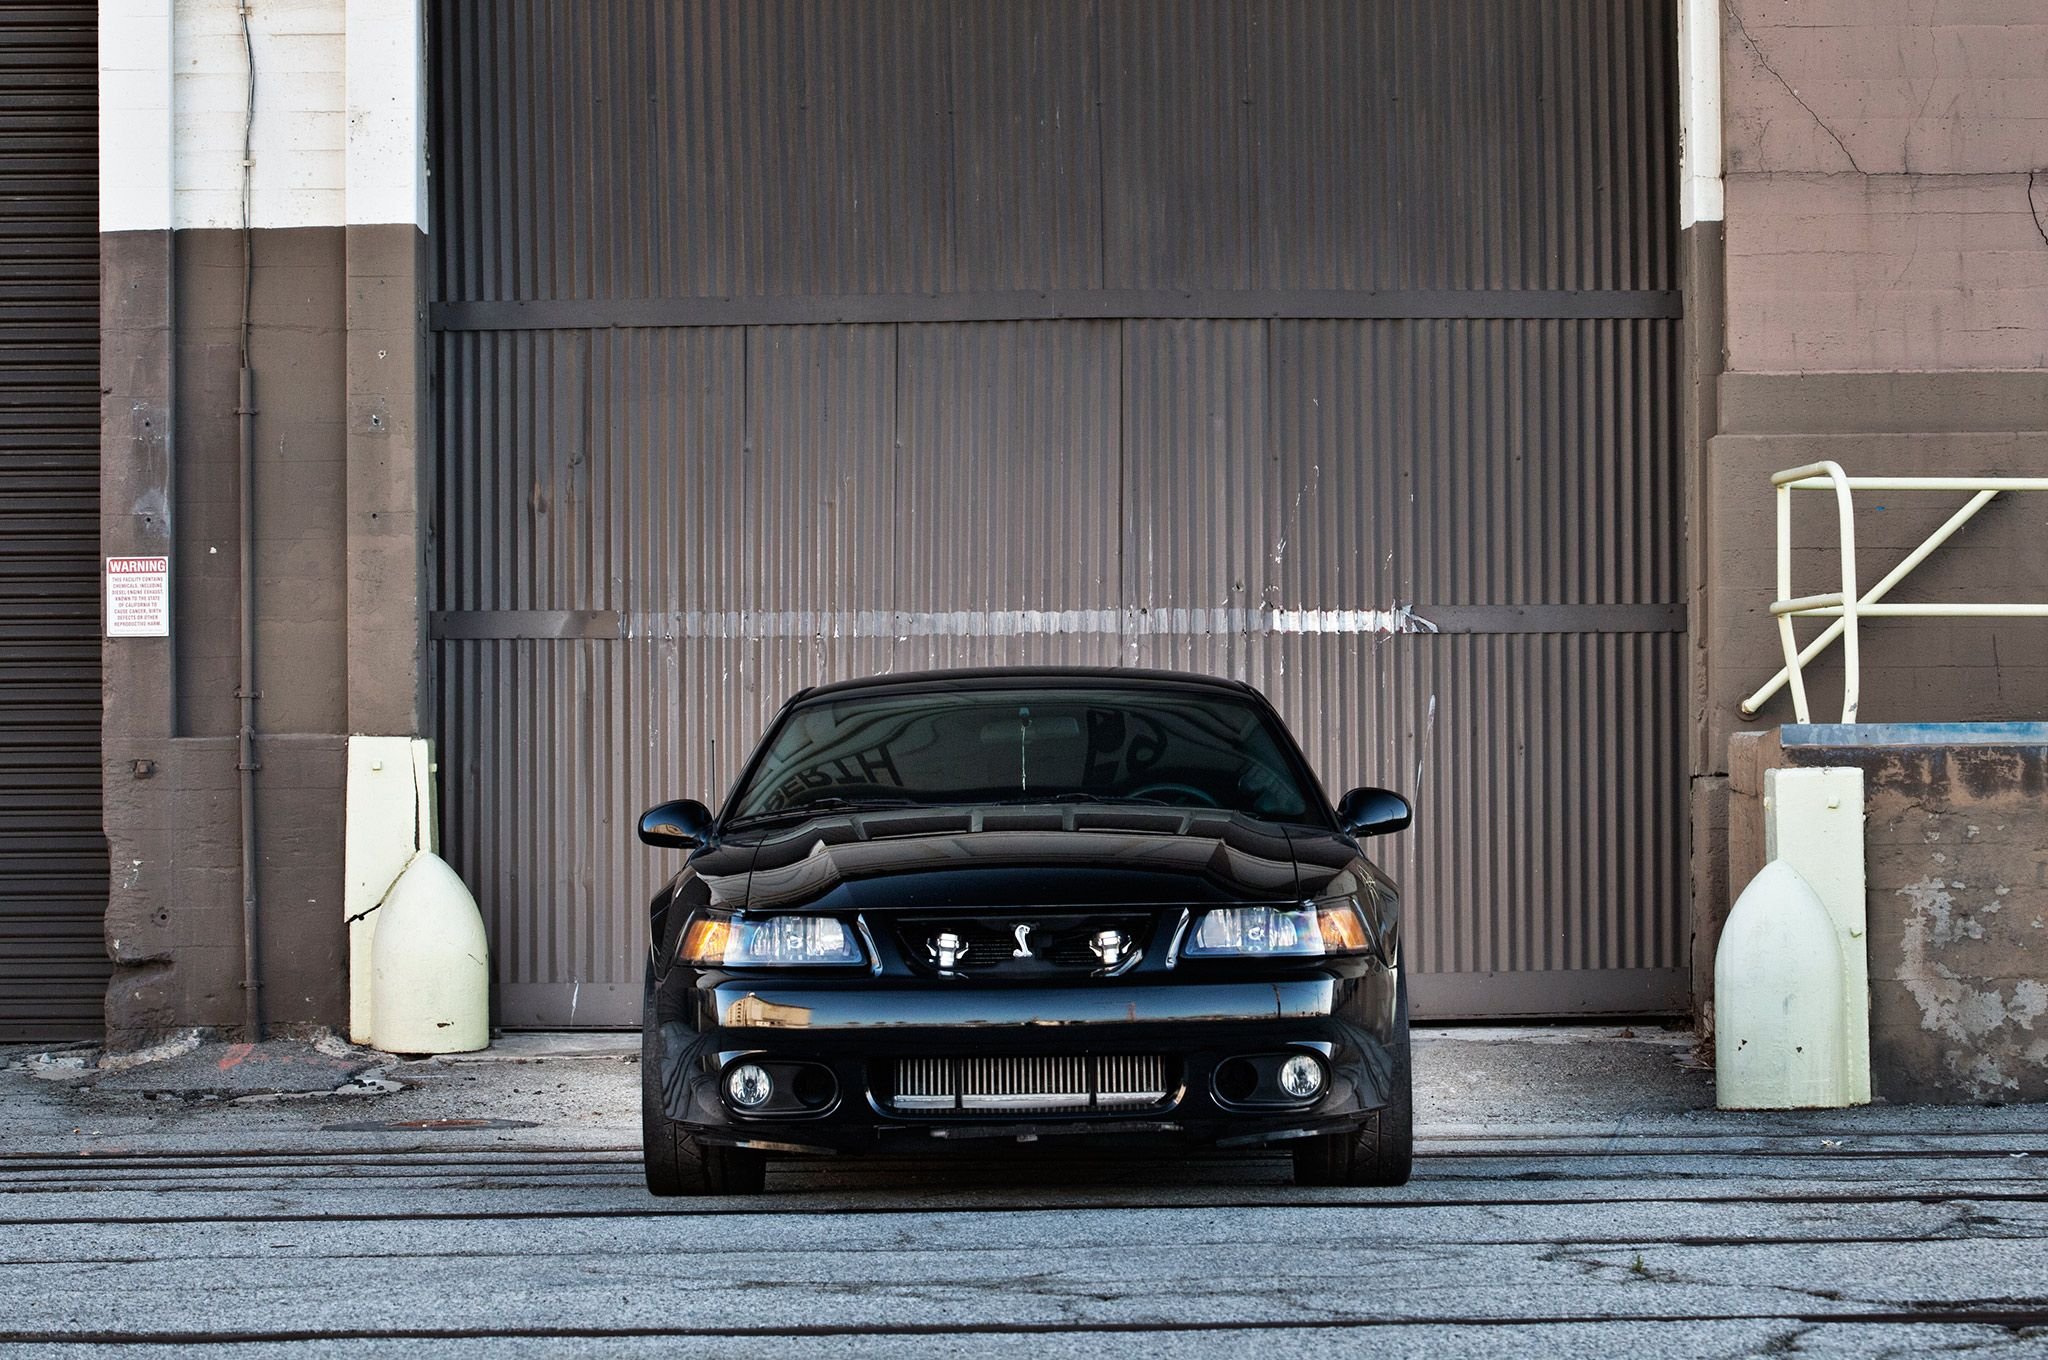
[(138, 597)]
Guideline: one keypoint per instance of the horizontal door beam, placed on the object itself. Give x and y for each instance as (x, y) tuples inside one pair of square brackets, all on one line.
[(609, 624), (1080, 304)]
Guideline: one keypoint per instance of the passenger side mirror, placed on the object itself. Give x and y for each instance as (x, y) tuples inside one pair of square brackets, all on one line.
[(682, 825), (1373, 812)]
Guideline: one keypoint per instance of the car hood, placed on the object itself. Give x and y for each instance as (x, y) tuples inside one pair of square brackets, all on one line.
[(997, 858)]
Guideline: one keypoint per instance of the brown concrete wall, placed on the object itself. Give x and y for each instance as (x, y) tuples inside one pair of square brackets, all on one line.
[(174, 920), (1749, 755), (297, 349), (1956, 851), (136, 331), (1913, 670), (390, 462), (1877, 157), (336, 347), (1885, 273), (1710, 809), (1702, 259), (1701, 255)]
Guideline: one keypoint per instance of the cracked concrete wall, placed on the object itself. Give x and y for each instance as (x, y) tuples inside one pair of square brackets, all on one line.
[(1956, 849), (1883, 163)]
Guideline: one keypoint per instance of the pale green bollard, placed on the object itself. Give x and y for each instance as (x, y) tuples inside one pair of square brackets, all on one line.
[(1791, 974), (429, 964), (1777, 998)]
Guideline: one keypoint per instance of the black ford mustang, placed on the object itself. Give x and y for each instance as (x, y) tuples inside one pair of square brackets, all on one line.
[(1019, 903)]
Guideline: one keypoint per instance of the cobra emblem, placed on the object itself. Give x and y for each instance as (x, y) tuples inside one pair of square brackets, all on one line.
[(1023, 934)]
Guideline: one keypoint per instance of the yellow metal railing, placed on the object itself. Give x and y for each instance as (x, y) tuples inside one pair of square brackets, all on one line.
[(1845, 606)]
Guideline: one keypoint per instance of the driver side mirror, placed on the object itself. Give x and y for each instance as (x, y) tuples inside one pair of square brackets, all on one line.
[(682, 825), (1373, 812)]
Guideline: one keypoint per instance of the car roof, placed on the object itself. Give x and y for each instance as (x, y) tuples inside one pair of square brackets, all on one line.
[(1052, 677)]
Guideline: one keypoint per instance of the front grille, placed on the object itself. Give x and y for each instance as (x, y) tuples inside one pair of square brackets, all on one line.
[(1066, 1085), (1052, 943)]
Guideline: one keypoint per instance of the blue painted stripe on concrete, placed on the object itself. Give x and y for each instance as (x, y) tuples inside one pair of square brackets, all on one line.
[(1915, 734)]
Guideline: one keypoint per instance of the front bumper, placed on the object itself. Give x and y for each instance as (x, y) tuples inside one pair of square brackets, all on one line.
[(858, 1029)]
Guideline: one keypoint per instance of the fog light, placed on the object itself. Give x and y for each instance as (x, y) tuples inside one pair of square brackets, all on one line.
[(1301, 1076), (750, 1085)]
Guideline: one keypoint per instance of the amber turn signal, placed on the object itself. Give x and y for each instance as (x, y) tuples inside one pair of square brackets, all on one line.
[(1342, 930), (705, 941)]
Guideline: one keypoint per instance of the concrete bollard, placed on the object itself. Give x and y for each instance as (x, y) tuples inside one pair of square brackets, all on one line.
[(429, 964), (1777, 998), (1791, 984)]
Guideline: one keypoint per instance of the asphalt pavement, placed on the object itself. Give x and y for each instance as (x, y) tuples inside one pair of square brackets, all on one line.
[(1575, 1194)]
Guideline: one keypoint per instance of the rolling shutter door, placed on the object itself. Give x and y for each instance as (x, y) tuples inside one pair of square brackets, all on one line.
[(53, 864)]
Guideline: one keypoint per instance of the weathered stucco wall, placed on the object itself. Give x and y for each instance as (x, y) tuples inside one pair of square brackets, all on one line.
[(1956, 855)]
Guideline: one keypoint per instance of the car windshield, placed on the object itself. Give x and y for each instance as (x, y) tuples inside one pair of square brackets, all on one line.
[(1179, 748)]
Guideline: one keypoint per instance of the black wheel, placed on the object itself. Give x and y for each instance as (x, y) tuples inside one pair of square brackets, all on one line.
[(676, 1162), (1382, 1152)]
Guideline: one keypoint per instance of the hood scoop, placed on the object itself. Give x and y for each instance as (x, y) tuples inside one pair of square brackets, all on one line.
[(1144, 821), (903, 824), (882, 826)]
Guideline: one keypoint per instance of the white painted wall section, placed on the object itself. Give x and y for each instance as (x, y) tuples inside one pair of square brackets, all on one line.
[(387, 127), (340, 129), (1699, 112), (297, 141), (135, 115)]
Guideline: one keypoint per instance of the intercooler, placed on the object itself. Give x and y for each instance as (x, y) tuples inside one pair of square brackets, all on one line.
[(1062, 1085)]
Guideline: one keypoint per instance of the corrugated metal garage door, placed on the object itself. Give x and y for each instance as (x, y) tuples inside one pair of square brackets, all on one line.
[(786, 342), (53, 859)]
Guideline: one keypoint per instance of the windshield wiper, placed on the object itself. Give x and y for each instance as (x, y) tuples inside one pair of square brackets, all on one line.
[(806, 810)]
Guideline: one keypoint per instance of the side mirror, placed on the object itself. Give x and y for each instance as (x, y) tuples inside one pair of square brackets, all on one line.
[(1373, 812), (682, 825)]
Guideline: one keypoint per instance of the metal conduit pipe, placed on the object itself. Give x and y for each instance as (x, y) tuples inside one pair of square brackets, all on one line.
[(245, 762), (245, 691)]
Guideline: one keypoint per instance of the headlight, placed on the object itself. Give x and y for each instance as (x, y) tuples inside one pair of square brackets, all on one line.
[(717, 939), (1312, 929)]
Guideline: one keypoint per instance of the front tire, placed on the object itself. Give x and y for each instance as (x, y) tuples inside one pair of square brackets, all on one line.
[(676, 1162), (1382, 1150)]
